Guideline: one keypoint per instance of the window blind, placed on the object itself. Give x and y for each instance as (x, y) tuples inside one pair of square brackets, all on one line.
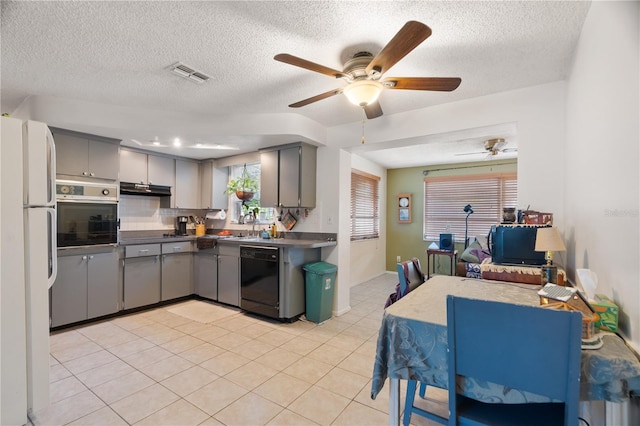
[(445, 198), (365, 205)]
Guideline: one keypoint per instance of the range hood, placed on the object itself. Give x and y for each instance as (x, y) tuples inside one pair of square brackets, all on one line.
[(129, 188)]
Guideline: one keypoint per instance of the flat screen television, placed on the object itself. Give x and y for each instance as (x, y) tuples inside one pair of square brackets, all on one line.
[(514, 245)]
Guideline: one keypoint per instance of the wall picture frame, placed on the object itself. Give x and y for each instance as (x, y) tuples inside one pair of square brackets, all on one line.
[(404, 208)]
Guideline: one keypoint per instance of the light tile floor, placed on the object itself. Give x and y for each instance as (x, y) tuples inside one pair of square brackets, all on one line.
[(200, 363)]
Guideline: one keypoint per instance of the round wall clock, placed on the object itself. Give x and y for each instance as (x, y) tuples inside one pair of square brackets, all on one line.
[(403, 202)]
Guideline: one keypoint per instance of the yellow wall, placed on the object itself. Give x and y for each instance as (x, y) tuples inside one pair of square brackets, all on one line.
[(405, 240)]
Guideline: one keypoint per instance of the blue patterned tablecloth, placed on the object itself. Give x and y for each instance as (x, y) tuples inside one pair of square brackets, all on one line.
[(412, 345)]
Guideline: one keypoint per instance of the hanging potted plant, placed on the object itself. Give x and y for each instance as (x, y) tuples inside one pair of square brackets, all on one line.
[(244, 187)]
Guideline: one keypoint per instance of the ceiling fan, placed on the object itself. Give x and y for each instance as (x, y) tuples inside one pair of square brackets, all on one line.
[(492, 147), (363, 73)]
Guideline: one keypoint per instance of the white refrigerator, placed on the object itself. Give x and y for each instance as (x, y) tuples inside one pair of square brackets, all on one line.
[(29, 265)]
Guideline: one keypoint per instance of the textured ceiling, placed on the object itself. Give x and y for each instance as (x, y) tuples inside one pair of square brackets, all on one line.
[(118, 54)]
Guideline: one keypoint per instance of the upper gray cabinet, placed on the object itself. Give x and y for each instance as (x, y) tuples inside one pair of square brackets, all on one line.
[(288, 176), (213, 183), (139, 167), (80, 154), (187, 189)]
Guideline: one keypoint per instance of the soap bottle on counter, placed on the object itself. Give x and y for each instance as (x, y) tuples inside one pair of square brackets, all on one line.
[(274, 231)]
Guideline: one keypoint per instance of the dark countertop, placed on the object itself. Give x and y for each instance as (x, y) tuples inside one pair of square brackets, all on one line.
[(272, 242)]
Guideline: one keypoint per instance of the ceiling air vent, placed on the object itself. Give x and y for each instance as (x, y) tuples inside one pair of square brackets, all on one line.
[(187, 72)]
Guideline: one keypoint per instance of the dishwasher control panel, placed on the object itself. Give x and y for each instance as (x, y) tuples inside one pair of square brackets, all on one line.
[(269, 254)]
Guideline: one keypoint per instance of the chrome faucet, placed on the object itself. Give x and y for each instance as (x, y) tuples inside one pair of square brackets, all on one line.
[(253, 225)]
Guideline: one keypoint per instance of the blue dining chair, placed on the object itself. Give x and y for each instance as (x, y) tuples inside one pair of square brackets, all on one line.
[(527, 348), (410, 276)]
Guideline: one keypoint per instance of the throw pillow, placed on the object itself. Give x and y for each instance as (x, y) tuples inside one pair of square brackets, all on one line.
[(468, 256)]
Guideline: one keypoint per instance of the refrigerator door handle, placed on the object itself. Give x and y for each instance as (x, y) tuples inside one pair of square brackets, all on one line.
[(51, 167), (53, 249)]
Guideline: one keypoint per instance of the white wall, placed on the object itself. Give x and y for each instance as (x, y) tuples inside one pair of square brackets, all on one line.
[(538, 113), (602, 151), (368, 256)]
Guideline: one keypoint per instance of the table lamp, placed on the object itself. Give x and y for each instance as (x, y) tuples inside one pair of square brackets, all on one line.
[(549, 240)]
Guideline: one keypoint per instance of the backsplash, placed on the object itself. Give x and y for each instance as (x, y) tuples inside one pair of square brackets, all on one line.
[(144, 213)]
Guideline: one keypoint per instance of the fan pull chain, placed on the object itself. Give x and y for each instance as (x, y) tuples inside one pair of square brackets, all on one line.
[(364, 118)]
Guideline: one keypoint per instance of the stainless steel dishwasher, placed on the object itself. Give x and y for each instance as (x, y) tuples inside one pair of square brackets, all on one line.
[(259, 280)]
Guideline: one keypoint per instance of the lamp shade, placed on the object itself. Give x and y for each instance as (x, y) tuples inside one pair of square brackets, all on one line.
[(363, 92), (548, 239)]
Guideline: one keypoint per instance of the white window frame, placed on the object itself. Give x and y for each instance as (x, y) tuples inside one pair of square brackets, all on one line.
[(365, 206), (266, 214), (445, 198)]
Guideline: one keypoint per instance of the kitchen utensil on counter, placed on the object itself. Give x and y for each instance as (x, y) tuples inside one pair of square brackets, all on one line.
[(181, 225)]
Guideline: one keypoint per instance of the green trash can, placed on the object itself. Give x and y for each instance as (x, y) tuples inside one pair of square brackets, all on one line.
[(320, 279)]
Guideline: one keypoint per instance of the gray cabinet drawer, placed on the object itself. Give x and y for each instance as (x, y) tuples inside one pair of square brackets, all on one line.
[(177, 247), (229, 249), (140, 250)]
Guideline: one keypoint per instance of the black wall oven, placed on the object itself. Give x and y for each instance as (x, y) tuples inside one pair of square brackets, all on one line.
[(87, 213)]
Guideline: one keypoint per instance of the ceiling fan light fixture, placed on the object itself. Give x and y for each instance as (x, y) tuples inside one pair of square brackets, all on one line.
[(363, 92)]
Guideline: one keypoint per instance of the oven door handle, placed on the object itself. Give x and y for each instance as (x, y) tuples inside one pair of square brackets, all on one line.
[(85, 200), (87, 246)]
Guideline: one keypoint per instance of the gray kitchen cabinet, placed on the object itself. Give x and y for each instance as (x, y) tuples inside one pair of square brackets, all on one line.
[(69, 291), (229, 274), (177, 270), (142, 279), (80, 154), (133, 166), (161, 170), (102, 284), (213, 183), (288, 176), (187, 189), (269, 176), (140, 167), (86, 287), (206, 273)]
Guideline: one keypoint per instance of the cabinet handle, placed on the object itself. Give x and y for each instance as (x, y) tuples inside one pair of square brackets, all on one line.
[(91, 174), (90, 257), (84, 173), (84, 257), (143, 251), (177, 249)]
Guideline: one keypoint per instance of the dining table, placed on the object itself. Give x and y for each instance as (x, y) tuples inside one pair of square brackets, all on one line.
[(412, 345)]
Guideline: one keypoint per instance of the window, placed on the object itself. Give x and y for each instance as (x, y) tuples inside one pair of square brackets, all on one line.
[(445, 198), (365, 206), (265, 215)]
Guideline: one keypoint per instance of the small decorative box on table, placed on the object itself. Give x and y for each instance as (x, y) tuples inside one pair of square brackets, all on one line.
[(570, 299)]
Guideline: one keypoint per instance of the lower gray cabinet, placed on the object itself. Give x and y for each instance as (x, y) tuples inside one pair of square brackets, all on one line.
[(177, 270), (206, 273), (141, 275), (102, 285), (229, 274), (86, 287)]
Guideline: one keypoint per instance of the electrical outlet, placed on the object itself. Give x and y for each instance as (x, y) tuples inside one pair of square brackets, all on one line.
[(398, 259)]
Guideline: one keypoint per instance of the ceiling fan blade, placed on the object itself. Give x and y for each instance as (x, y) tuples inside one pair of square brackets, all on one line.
[(312, 66), (373, 110), (508, 150), (408, 38), (442, 84), (316, 98)]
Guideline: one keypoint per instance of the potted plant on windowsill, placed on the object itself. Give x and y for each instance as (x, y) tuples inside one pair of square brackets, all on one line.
[(244, 187)]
